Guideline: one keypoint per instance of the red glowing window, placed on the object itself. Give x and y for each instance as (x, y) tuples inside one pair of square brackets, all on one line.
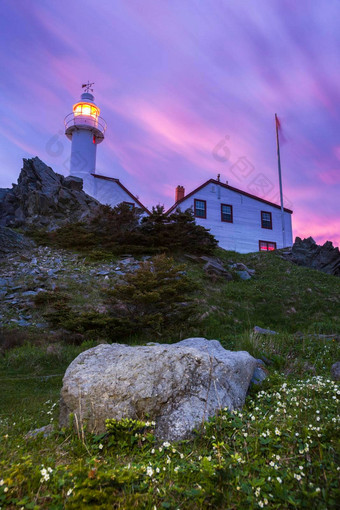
[(227, 213), (266, 220), (200, 208), (267, 246)]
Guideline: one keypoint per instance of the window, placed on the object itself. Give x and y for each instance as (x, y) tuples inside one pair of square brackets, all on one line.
[(130, 204), (227, 213), (266, 220), (200, 208), (267, 246)]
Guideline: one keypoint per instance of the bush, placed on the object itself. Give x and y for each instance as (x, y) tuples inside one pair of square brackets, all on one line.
[(153, 298), (121, 230)]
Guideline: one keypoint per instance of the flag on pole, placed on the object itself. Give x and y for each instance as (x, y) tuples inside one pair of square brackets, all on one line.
[(283, 139)]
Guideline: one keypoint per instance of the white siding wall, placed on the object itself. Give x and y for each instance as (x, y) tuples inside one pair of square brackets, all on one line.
[(244, 234), (106, 192)]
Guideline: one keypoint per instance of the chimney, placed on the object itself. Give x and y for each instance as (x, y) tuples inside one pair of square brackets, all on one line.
[(180, 192)]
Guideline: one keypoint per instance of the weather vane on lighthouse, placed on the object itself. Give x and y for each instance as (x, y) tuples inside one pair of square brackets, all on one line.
[(87, 86)]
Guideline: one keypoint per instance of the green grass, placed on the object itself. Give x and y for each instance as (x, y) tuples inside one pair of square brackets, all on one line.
[(281, 451)]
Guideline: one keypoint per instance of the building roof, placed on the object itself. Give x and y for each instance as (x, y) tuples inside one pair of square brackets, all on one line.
[(218, 183), (112, 179)]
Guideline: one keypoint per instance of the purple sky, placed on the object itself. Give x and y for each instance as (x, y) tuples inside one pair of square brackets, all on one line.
[(188, 89)]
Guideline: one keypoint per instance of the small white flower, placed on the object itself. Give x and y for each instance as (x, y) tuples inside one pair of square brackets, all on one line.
[(100, 446), (69, 492), (1, 483), (166, 444), (279, 479), (149, 471)]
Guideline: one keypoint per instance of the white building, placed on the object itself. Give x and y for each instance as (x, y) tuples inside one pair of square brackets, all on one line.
[(239, 221)]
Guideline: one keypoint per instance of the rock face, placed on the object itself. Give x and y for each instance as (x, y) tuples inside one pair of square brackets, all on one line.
[(325, 258), (43, 198), (179, 385), (12, 242)]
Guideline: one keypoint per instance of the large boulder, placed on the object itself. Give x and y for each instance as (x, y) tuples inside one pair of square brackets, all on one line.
[(178, 386), (326, 258), (43, 198)]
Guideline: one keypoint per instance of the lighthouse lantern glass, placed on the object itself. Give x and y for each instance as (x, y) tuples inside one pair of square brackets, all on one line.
[(86, 109)]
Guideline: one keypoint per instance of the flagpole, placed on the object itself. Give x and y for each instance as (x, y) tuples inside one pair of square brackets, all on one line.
[(277, 123)]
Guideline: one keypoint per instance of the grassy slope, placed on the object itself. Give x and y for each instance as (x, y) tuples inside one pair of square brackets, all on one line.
[(283, 297)]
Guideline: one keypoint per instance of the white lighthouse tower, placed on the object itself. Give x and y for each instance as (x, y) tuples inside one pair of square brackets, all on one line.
[(86, 129)]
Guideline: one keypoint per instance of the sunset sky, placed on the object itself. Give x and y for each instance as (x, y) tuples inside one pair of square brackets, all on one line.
[(189, 89)]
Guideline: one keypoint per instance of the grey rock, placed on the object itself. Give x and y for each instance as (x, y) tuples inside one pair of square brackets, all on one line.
[(260, 372), (244, 275), (214, 268), (305, 252), (75, 183), (179, 385), (262, 331), (335, 371), (46, 431), (28, 293), (20, 322), (43, 198), (12, 242)]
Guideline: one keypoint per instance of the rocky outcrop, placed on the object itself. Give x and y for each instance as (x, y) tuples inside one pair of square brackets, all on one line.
[(43, 198), (178, 386), (326, 258)]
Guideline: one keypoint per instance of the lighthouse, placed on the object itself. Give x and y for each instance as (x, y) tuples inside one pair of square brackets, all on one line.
[(86, 129)]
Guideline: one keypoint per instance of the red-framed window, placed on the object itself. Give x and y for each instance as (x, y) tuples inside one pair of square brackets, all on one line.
[(130, 204), (266, 220), (227, 213), (267, 246), (200, 208)]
